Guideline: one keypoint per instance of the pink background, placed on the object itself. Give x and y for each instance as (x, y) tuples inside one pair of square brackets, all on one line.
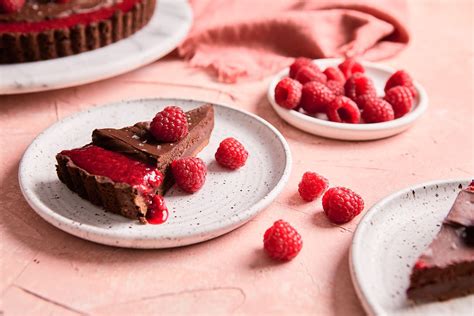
[(46, 271)]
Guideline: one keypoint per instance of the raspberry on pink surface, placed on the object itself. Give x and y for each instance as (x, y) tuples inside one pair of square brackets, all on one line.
[(341, 205), (401, 78), (309, 73), (359, 85), (231, 154), (401, 100), (333, 73), (343, 110), (282, 242), (312, 186), (349, 67), (189, 173), (297, 64), (169, 125), (315, 97), (377, 110), (288, 93)]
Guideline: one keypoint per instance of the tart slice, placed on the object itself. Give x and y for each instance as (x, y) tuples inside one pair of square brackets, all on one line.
[(124, 170), (446, 268)]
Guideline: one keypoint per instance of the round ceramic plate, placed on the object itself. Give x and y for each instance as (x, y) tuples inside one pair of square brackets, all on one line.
[(389, 239), (228, 199), (168, 26), (322, 127)]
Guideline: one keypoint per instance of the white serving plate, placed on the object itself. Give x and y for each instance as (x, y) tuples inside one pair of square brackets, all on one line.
[(389, 239), (228, 199), (168, 26), (379, 74)]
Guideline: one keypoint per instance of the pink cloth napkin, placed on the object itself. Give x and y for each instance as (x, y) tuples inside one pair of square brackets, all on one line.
[(253, 38)]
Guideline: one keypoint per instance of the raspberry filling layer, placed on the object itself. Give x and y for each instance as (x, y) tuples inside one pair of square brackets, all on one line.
[(119, 168), (66, 22)]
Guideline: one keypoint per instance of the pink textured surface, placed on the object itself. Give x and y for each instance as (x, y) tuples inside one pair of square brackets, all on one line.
[(48, 272), (248, 38)]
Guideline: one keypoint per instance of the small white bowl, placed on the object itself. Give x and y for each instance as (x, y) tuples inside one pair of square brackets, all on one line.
[(379, 74)]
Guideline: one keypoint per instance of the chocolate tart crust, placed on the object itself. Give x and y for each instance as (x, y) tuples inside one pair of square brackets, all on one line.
[(34, 46)]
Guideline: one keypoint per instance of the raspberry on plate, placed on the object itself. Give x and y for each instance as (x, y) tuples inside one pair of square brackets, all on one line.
[(343, 110), (349, 67), (315, 97), (282, 241), (341, 204), (401, 78), (401, 100), (309, 73), (231, 154), (377, 110), (363, 99), (11, 6), (336, 87), (189, 173), (297, 64), (312, 186), (169, 125), (288, 93), (333, 73), (358, 85)]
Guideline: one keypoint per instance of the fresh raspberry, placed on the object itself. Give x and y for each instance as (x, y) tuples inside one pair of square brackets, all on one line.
[(189, 173), (363, 99), (297, 64), (377, 110), (282, 241), (401, 78), (169, 125), (336, 87), (343, 110), (401, 100), (349, 67), (231, 153), (333, 73), (312, 186), (358, 85), (288, 93), (157, 212), (11, 6), (309, 73), (315, 97), (341, 204)]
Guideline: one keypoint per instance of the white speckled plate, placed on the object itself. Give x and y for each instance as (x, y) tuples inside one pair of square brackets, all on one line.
[(318, 126), (168, 26), (228, 199), (389, 239)]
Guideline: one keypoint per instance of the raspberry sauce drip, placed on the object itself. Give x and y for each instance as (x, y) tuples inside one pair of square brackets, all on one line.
[(157, 212), (119, 168)]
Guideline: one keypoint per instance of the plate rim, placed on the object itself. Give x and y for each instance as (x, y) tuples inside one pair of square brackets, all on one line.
[(371, 306), (397, 123), (67, 224), (143, 59)]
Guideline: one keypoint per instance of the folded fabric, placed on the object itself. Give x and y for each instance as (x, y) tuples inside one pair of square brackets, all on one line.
[(253, 38)]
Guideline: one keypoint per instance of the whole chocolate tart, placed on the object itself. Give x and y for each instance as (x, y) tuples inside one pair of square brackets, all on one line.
[(46, 29), (446, 268), (123, 169)]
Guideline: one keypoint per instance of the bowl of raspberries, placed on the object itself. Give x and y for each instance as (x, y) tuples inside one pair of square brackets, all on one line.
[(347, 99)]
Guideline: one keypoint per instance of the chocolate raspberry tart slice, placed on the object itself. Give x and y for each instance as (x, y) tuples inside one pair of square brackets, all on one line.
[(125, 170), (45, 29), (446, 268)]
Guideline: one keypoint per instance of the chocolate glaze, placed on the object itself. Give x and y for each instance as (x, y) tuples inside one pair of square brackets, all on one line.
[(446, 267), (35, 10)]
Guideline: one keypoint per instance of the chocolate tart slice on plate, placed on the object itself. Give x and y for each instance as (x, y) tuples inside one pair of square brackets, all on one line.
[(124, 169), (446, 268)]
